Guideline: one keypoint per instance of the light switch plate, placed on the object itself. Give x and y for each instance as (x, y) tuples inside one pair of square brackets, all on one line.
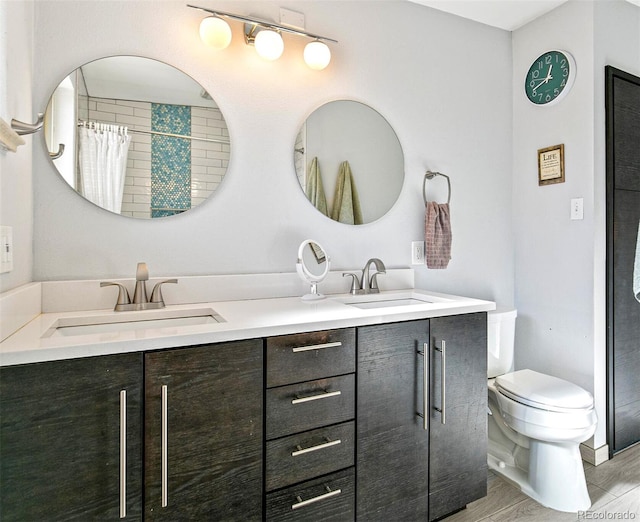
[(577, 208), (6, 249)]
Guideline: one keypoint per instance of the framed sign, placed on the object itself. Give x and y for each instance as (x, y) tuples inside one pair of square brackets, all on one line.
[(551, 165)]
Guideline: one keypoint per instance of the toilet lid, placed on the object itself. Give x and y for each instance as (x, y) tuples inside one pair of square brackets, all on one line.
[(543, 391)]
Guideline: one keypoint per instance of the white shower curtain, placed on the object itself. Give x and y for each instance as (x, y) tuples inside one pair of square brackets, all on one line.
[(103, 162)]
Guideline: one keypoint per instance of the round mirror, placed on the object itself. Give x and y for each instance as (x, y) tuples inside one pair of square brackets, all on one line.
[(136, 137), (312, 266), (349, 162)]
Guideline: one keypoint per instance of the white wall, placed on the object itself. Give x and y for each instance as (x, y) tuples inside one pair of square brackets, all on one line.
[(16, 199), (559, 263), (416, 66)]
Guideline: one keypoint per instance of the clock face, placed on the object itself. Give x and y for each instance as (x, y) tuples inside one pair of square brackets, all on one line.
[(550, 77)]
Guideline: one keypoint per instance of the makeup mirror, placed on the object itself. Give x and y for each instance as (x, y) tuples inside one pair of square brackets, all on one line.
[(312, 266), (136, 137), (349, 162)]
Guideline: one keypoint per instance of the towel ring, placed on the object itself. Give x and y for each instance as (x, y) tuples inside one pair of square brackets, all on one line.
[(430, 175)]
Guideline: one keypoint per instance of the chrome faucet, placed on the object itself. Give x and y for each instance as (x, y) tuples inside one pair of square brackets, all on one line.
[(366, 284), (140, 299)]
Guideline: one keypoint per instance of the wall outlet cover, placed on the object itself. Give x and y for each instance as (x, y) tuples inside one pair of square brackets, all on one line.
[(417, 252)]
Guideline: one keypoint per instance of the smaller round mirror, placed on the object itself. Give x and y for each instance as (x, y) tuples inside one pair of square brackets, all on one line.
[(312, 266), (349, 162)]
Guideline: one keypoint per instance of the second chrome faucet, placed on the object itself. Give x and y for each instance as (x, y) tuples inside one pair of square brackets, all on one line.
[(366, 284), (140, 299)]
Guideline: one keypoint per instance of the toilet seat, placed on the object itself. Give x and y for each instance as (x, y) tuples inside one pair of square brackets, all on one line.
[(544, 392)]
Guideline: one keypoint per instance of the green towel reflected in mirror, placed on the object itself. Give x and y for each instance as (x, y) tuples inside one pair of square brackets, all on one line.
[(315, 190), (346, 204)]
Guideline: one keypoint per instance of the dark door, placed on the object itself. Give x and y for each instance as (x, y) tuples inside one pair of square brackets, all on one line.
[(458, 447), (203, 433), (623, 218), (392, 445), (60, 439)]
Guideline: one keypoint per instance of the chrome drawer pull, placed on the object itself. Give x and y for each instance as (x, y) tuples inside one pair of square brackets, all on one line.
[(311, 347), (425, 386), (324, 395), (329, 494), (443, 385), (302, 451), (123, 453), (165, 443)]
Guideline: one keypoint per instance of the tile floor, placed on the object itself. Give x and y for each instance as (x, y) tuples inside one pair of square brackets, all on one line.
[(614, 488)]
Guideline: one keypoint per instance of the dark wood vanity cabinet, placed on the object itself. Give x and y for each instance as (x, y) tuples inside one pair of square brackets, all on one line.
[(458, 443), (310, 433), (61, 439), (63, 426), (203, 433), (408, 469), (179, 434)]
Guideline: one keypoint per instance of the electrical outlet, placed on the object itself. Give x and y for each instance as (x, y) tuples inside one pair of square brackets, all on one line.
[(577, 208), (417, 252), (6, 249)]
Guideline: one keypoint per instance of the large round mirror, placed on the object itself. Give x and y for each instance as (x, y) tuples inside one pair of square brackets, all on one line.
[(136, 137), (349, 162)]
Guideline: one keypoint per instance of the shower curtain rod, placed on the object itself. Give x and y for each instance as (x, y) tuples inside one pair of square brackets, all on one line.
[(158, 133)]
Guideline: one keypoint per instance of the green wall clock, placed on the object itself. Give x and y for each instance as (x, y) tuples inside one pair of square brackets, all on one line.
[(550, 77)]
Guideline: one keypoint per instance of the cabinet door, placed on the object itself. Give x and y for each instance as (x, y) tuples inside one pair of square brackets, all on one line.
[(60, 439), (392, 449), (203, 433), (458, 448)]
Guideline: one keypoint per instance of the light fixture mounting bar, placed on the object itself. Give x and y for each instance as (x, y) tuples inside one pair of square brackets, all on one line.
[(265, 24)]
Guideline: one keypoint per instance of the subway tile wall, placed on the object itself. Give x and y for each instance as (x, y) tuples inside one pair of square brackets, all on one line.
[(209, 161)]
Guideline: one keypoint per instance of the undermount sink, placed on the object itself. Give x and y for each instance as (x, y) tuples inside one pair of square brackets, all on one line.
[(390, 300), (117, 322)]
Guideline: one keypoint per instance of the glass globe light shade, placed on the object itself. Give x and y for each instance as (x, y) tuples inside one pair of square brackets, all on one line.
[(215, 32), (317, 55), (269, 44)]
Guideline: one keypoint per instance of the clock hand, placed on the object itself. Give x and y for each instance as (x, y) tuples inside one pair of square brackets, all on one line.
[(542, 82)]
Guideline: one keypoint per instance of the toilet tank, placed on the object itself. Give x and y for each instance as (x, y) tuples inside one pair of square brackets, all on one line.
[(501, 329)]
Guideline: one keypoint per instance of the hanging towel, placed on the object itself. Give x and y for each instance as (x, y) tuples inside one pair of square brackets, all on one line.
[(315, 190), (437, 235), (346, 204), (636, 268)]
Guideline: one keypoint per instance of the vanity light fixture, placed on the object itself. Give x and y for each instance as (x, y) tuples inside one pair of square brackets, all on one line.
[(215, 32), (264, 35), (268, 44)]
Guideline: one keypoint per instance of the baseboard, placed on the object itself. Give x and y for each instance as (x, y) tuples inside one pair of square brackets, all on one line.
[(595, 456)]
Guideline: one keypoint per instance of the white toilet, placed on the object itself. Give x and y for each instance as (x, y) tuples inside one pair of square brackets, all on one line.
[(536, 424)]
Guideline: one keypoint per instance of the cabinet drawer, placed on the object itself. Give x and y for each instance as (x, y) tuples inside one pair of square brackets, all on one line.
[(330, 499), (308, 405), (308, 356), (310, 454)]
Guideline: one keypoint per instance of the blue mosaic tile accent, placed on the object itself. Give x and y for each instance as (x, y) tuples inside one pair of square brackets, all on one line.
[(170, 160)]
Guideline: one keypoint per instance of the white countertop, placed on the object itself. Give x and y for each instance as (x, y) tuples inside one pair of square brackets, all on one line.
[(243, 319)]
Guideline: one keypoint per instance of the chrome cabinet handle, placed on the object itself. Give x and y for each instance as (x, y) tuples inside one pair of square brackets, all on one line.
[(123, 453), (425, 386), (165, 440), (299, 349), (330, 493), (324, 395), (301, 451), (443, 383)]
